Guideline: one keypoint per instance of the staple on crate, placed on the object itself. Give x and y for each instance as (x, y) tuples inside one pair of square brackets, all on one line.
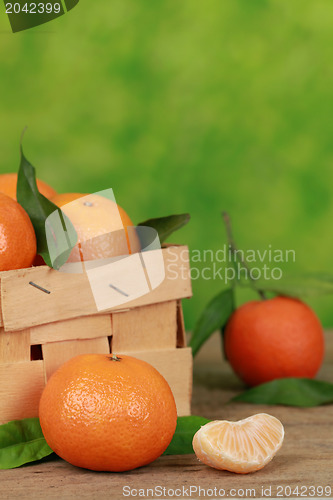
[(116, 281), (39, 287), (118, 290)]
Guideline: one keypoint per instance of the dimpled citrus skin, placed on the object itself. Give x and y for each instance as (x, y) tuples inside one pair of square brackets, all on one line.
[(8, 184), (17, 236), (107, 415), (275, 338)]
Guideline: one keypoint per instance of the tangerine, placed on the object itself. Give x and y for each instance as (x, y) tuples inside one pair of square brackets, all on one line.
[(243, 446), (8, 184), (275, 338), (17, 236), (107, 412), (102, 226)]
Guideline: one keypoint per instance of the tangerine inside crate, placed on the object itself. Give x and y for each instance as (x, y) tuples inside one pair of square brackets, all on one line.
[(39, 331)]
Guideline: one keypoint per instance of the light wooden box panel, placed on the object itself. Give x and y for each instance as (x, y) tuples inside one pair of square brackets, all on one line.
[(176, 366), (145, 328), (14, 346), (64, 323), (21, 386), (87, 327), (57, 353)]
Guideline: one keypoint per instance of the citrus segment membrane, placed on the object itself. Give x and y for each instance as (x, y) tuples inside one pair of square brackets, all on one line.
[(243, 446)]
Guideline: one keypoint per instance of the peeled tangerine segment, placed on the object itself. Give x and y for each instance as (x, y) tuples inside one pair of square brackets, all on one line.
[(243, 446)]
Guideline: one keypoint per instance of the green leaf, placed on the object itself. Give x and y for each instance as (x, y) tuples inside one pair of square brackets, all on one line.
[(289, 391), (22, 441), (306, 285), (56, 249), (165, 226), (214, 317), (181, 443)]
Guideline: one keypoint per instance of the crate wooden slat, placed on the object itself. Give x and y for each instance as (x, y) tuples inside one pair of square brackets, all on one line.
[(87, 327), (57, 353), (14, 346), (71, 295), (145, 328), (21, 386)]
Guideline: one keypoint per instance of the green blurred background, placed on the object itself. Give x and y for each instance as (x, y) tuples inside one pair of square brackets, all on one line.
[(185, 106)]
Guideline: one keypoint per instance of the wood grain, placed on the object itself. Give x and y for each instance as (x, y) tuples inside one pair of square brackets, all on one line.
[(16, 379), (57, 353), (145, 328), (88, 327)]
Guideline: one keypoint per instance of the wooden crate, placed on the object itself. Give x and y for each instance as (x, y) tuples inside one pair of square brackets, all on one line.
[(39, 331)]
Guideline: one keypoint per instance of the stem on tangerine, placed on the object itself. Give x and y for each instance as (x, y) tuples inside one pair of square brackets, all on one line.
[(114, 358)]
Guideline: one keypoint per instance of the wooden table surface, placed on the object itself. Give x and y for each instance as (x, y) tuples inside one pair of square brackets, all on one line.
[(304, 461)]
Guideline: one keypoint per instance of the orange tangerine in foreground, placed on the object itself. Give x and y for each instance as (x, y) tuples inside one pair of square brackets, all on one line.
[(108, 413), (243, 446)]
